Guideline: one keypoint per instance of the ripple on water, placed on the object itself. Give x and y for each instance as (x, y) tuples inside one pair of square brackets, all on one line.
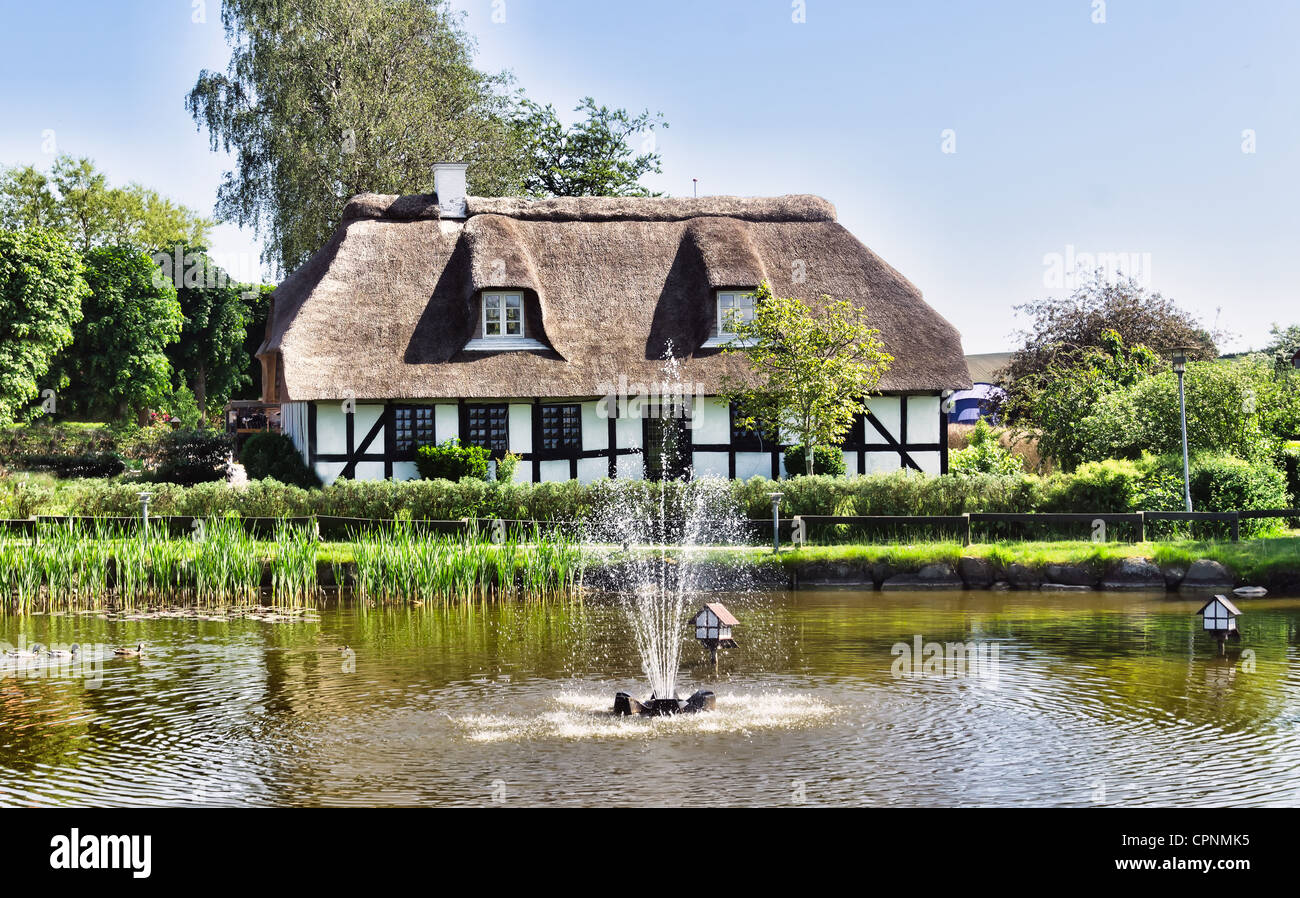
[(577, 716)]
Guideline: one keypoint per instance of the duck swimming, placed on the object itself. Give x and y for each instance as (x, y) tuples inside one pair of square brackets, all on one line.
[(70, 652), (34, 651), (131, 652)]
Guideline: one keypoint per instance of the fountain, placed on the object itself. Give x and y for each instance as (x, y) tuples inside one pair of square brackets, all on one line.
[(657, 583)]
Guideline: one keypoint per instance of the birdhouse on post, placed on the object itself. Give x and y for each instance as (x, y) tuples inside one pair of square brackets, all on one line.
[(713, 625), (1219, 618)]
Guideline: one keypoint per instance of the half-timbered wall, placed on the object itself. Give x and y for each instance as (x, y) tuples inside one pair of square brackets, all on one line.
[(359, 440)]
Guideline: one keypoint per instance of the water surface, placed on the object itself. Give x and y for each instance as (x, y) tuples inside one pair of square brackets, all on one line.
[(1095, 699)]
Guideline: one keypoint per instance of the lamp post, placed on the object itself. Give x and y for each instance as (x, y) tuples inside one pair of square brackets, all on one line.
[(145, 496), (776, 520), (1180, 368)]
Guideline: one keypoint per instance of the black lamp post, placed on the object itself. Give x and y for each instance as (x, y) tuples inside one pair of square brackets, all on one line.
[(1180, 368)]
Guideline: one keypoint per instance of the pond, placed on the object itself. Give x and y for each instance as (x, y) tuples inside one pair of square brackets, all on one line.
[(1078, 699)]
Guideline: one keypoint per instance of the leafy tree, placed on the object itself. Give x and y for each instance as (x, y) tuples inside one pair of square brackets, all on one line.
[(1284, 343), (257, 308), (27, 199), (1049, 404), (117, 363), (1229, 412), (812, 366), (77, 199), (324, 99), (41, 290), (1062, 331), (591, 158), (211, 345)]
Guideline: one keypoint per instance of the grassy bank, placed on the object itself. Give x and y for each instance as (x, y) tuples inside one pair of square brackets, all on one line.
[(1257, 559), (64, 568)]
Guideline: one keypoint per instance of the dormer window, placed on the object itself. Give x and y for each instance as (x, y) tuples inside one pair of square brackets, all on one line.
[(733, 307), (503, 315), (503, 323)]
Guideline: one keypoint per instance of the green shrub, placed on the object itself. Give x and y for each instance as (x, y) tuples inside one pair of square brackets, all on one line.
[(1112, 486), (193, 456), (984, 454), (1290, 464), (506, 467), (826, 460), (452, 461), (273, 455)]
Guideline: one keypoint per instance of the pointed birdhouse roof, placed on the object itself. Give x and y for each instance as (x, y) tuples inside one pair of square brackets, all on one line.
[(720, 610), (1223, 600)]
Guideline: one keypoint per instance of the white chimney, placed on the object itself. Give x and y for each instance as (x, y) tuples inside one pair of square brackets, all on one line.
[(449, 184)]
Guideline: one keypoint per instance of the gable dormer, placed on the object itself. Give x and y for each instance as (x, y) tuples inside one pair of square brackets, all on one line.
[(507, 305), (507, 320), (730, 305), (733, 270)]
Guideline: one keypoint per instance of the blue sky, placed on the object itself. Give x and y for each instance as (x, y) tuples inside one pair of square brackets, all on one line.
[(1071, 137)]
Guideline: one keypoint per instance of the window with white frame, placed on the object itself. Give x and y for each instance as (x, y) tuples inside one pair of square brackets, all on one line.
[(503, 315), (734, 307)]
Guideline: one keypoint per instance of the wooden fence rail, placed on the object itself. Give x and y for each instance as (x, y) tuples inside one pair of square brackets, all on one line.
[(795, 528)]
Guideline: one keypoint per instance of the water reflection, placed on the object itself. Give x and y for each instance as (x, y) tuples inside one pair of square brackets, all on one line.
[(1099, 699)]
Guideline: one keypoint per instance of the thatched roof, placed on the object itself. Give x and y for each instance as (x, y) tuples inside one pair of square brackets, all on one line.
[(384, 310)]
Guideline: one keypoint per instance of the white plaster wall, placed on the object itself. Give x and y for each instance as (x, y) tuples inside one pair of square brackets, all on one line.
[(328, 471), (627, 431), (922, 420), (446, 422), (752, 464), (592, 469), (712, 422), (886, 410), (851, 463), (370, 470), (552, 469), (404, 470), (630, 467), (331, 429), (929, 461), (882, 461), (595, 429), (362, 421), (709, 464), (520, 436)]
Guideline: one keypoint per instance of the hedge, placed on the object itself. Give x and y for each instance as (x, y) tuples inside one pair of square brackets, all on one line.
[(1218, 485)]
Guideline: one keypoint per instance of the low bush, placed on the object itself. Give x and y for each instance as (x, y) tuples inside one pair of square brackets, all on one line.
[(984, 454), (1153, 484), (452, 461), (826, 460), (1290, 464), (193, 456), (273, 455)]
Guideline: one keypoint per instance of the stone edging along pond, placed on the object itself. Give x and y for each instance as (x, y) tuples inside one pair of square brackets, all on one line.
[(1132, 573), (729, 569)]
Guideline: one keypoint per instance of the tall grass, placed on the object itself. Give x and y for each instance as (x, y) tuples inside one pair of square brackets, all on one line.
[(66, 565), (401, 564)]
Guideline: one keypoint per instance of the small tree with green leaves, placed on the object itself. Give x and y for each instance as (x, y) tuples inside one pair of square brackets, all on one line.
[(812, 367), (42, 285)]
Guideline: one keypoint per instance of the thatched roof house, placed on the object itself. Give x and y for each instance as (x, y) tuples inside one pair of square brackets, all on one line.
[(503, 321)]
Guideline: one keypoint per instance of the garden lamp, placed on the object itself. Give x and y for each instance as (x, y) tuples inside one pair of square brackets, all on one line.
[(1180, 368)]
